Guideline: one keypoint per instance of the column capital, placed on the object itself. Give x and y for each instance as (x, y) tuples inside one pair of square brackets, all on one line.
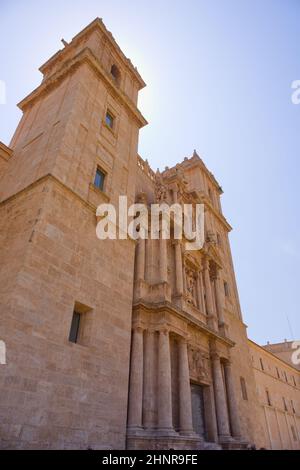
[(164, 330), (138, 328), (227, 363), (205, 262), (183, 340), (214, 355), (216, 272)]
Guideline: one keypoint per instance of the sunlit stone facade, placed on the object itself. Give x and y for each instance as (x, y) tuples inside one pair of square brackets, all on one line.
[(160, 357)]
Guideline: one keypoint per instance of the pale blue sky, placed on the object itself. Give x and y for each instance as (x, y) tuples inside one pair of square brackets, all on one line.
[(219, 76)]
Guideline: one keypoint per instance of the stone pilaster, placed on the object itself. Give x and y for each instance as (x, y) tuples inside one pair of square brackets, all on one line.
[(149, 391), (212, 321), (165, 422), (178, 267), (232, 403), (200, 292), (140, 262), (220, 398), (219, 302), (136, 381), (163, 259), (185, 401)]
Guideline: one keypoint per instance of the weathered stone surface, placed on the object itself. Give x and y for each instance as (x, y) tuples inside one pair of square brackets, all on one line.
[(175, 312)]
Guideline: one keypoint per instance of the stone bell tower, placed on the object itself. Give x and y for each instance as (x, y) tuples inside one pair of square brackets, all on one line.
[(65, 314)]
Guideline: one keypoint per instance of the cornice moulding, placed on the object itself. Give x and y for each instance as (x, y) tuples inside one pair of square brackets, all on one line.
[(85, 56)]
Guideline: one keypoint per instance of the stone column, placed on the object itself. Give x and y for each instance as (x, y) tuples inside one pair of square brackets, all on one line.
[(208, 292), (178, 266), (220, 398), (185, 397), (200, 293), (163, 259), (219, 299), (210, 413), (232, 403), (136, 381), (165, 422), (149, 392), (140, 262)]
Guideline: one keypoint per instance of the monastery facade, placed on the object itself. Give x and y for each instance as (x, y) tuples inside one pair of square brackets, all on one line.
[(114, 344)]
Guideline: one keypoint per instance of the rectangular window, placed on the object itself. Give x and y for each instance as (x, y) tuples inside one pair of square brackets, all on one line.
[(284, 404), (292, 406), (285, 376), (226, 289), (109, 120), (244, 388), (75, 325), (278, 375), (294, 433), (294, 381), (99, 179), (268, 398), (261, 364)]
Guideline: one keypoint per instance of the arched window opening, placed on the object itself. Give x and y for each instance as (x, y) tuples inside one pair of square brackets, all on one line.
[(115, 73)]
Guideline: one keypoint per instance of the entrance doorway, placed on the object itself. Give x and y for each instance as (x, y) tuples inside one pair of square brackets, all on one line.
[(198, 409)]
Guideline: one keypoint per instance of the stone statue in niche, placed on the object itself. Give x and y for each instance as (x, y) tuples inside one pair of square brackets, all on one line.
[(190, 287), (198, 364), (161, 191)]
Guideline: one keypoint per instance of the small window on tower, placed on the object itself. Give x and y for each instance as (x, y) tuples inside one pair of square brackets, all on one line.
[(109, 120), (99, 179), (80, 328), (244, 388), (268, 398), (75, 326), (115, 73), (226, 289)]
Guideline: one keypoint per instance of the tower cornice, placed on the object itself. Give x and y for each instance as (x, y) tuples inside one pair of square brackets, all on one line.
[(86, 56), (97, 24)]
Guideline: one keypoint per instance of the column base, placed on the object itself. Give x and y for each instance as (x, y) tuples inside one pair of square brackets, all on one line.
[(165, 432), (188, 433), (230, 443), (134, 430), (177, 442)]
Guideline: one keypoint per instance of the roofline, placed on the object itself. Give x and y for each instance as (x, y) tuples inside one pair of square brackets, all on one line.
[(274, 356), (277, 344), (96, 23), (5, 151)]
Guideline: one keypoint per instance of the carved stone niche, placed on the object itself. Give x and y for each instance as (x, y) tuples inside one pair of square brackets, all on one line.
[(190, 281), (198, 365), (190, 293), (160, 189), (211, 238)]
